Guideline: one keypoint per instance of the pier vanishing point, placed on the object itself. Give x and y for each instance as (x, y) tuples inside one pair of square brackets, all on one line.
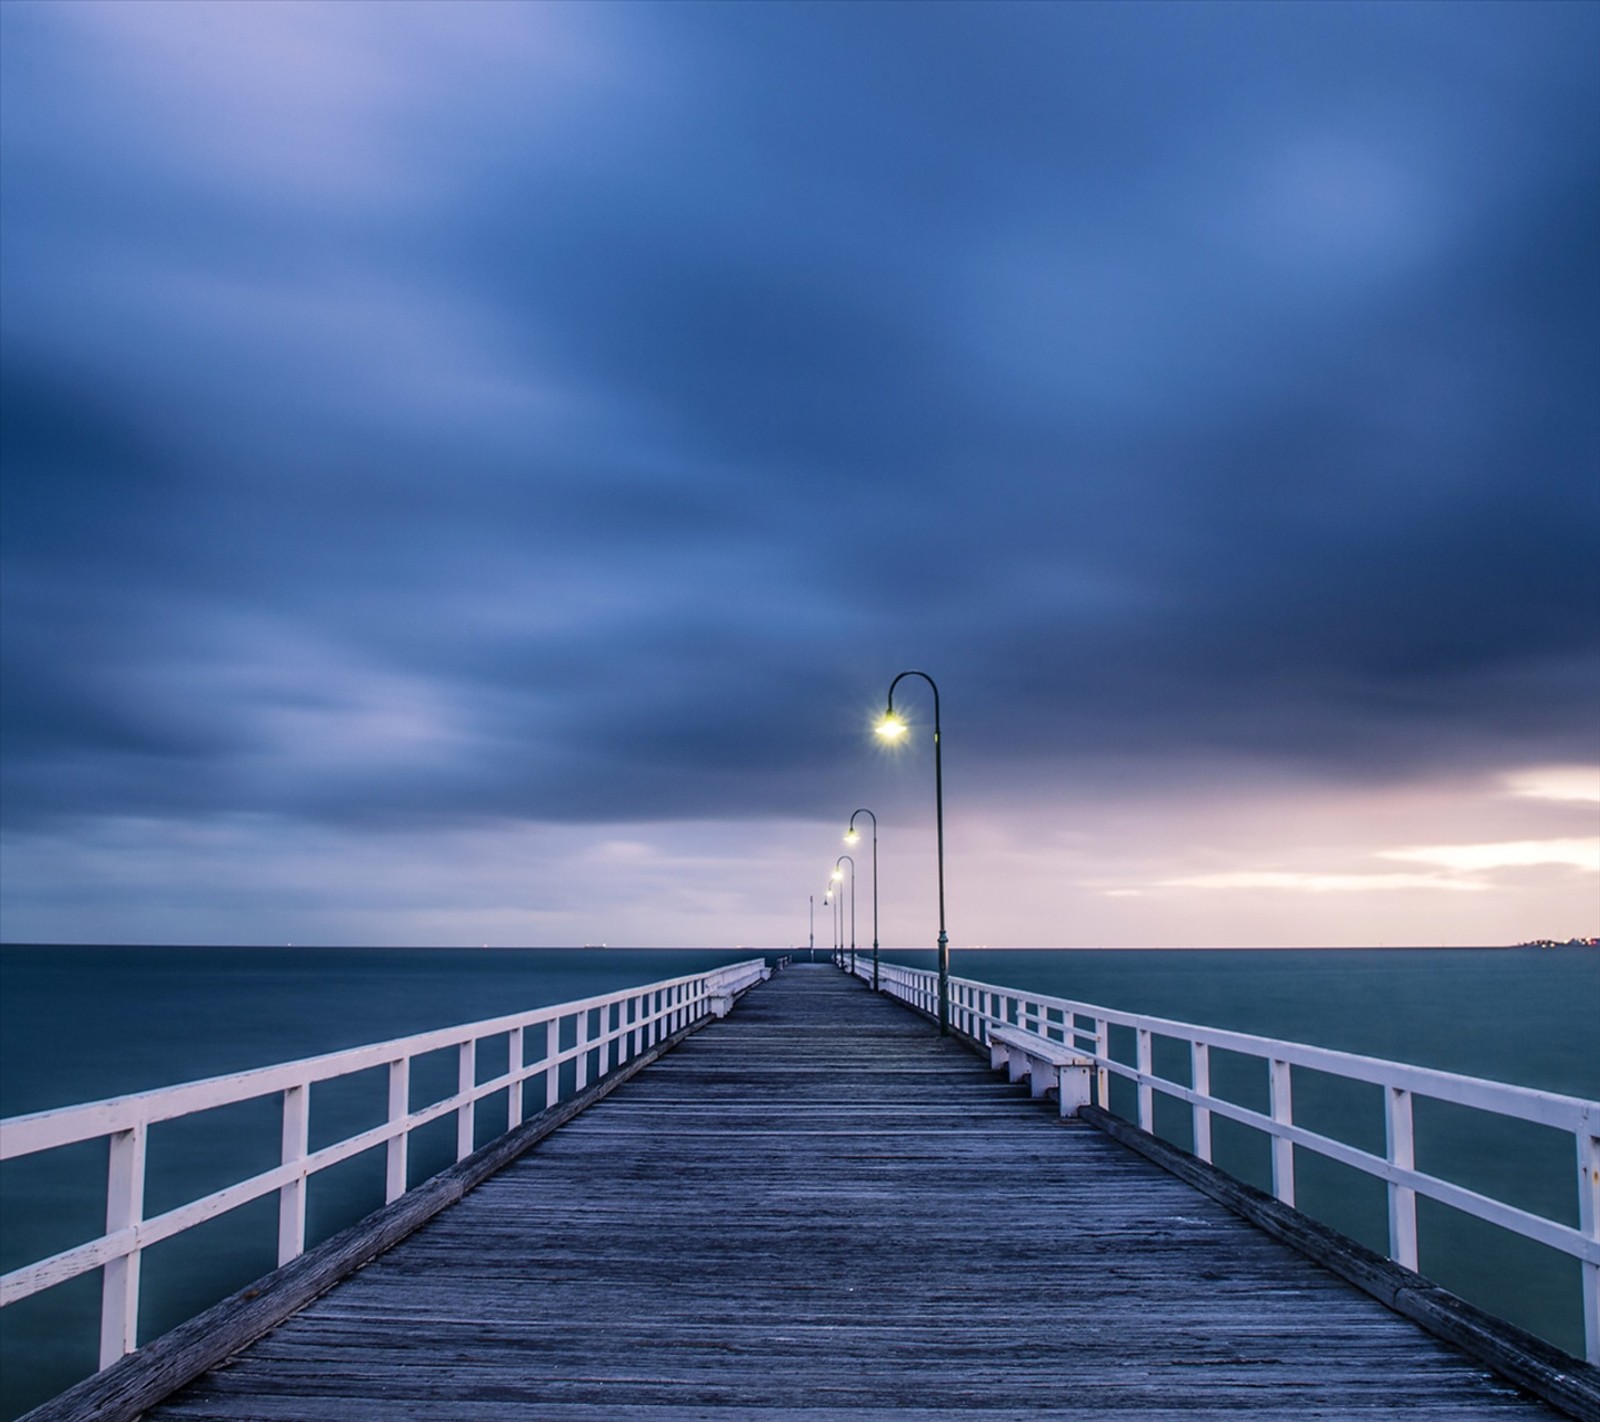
[(814, 1205)]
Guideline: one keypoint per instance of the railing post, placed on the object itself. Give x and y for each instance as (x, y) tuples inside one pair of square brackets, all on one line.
[(1282, 1149), (119, 1290), (552, 1068), (400, 1145), (1147, 1095), (580, 1060), (466, 1081), (1589, 1223), (1401, 1150), (292, 1197), (514, 1071), (1200, 1080)]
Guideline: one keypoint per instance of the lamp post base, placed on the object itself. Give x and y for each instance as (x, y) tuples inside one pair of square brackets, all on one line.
[(944, 984)]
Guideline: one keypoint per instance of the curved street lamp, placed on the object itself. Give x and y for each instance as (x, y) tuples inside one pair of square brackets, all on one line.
[(851, 836), (891, 727), (838, 874)]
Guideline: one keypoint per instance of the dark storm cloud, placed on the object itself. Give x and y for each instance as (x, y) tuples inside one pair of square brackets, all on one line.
[(581, 412)]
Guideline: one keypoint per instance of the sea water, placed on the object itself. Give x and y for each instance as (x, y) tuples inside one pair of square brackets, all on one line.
[(81, 1023)]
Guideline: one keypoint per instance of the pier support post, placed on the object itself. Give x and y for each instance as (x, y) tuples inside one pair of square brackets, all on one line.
[(1282, 1148), (119, 1296), (396, 1166), (292, 1198), (1589, 1223), (1401, 1151)]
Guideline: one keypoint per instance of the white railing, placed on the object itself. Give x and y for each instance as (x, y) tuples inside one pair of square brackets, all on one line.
[(612, 1029), (976, 1006)]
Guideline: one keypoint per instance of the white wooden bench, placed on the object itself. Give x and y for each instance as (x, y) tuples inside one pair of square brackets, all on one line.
[(1046, 1064), (722, 995)]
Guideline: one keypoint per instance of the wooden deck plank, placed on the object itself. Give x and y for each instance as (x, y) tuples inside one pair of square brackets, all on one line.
[(819, 1208)]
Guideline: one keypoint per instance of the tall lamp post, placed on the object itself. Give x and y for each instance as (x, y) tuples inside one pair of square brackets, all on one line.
[(891, 727), (811, 935), (851, 836), (839, 874)]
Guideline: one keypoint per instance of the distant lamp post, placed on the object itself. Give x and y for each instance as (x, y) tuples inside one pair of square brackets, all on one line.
[(811, 932), (838, 874), (891, 728), (852, 836)]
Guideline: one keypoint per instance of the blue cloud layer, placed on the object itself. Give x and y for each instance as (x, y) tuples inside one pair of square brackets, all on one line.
[(580, 412)]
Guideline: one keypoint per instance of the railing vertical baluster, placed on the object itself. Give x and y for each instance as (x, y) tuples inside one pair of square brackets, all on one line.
[(1102, 1050), (514, 1071), (1589, 1223), (1282, 1148), (399, 1146), (466, 1081), (119, 1289), (1400, 1148), (1147, 1094), (552, 1070), (292, 1197), (1200, 1079), (581, 1060)]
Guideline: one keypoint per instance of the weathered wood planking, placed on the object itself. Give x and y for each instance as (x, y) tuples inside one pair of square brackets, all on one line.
[(819, 1208)]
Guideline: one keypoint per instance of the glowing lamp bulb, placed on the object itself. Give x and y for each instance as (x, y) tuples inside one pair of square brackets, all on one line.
[(851, 836), (891, 727), (838, 874)]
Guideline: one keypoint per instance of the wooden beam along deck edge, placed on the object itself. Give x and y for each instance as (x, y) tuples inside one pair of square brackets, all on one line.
[(149, 1375), (1550, 1373)]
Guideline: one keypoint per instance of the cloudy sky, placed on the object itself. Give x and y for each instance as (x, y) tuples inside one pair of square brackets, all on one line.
[(472, 470)]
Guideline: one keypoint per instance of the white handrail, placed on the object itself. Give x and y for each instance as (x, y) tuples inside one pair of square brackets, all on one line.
[(975, 1007), (629, 1022)]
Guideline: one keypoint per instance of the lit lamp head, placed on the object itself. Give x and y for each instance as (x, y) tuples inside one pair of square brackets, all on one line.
[(852, 835), (891, 727), (838, 874)]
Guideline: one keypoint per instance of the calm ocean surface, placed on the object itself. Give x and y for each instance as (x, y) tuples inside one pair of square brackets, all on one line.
[(78, 1024)]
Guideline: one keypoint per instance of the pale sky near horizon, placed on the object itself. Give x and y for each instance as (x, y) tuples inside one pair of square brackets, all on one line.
[(471, 471)]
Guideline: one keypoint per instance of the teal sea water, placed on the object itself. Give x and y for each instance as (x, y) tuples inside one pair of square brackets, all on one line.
[(82, 1023)]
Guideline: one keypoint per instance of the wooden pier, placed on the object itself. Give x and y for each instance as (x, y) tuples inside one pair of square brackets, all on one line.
[(819, 1208)]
